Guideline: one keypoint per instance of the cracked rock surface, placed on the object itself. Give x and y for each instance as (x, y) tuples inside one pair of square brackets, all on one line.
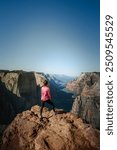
[(63, 131)]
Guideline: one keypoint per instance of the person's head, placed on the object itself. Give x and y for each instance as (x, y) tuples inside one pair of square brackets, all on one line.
[(45, 82)]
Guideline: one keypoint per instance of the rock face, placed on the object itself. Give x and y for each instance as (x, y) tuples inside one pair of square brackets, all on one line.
[(63, 131), (22, 83), (20, 90), (2, 128), (87, 101)]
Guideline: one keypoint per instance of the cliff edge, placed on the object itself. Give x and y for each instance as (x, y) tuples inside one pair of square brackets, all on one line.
[(64, 131)]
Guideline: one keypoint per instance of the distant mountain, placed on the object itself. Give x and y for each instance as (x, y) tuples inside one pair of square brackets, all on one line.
[(60, 80), (63, 78), (60, 95)]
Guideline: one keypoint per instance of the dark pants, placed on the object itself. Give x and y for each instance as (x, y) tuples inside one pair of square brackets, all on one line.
[(43, 103)]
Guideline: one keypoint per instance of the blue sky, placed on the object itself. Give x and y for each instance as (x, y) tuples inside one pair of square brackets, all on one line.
[(51, 36)]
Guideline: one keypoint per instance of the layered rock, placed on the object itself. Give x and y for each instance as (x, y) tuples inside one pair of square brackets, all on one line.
[(63, 131), (87, 101), (88, 80), (21, 83), (18, 91)]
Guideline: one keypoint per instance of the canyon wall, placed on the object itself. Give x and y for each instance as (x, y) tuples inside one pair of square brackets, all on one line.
[(86, 88)]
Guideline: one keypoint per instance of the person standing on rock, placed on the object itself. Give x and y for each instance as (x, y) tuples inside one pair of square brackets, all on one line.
[(45, 97)]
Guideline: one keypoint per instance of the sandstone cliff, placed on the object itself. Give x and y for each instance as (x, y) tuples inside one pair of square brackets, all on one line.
[(63, 131), (20, 90), (87, 101)]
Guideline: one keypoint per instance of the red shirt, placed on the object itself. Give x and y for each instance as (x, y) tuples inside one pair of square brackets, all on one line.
[(45, 93)]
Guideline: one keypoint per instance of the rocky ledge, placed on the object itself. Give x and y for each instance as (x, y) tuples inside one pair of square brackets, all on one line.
[(64, 131)]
